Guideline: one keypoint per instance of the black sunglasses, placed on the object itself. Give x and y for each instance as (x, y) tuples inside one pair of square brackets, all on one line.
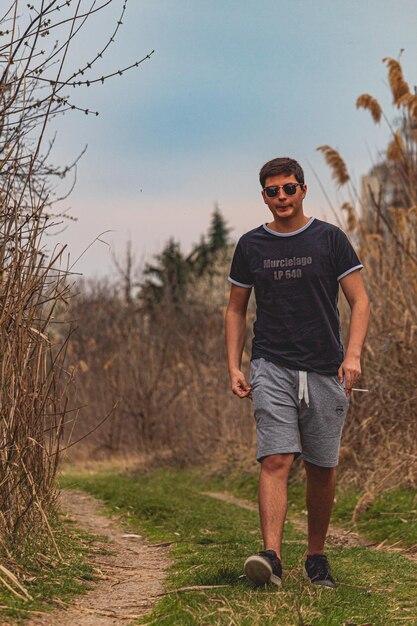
[(289, 189)]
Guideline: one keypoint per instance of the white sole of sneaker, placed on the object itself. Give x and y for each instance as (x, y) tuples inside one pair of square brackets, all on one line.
[(259, 571), (317, 584)]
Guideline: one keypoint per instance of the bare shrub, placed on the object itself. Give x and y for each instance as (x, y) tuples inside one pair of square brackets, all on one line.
[(33, 284), (162, 371)]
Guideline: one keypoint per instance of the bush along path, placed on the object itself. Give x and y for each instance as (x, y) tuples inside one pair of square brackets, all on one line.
[(211, 538)]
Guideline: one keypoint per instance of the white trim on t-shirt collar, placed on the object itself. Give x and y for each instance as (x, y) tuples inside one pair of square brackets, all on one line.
[(294, 232)]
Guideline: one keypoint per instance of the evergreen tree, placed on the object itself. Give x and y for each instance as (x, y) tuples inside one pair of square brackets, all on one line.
[(167, 277), (200, 257), (171, 272), (204, 255), (218, 235)]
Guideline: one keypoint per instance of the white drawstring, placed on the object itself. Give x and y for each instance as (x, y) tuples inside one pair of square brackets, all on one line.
[(303, 387)]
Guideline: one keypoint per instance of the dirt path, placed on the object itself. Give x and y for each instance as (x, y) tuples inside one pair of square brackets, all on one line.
[(336, 536), (129, 579)]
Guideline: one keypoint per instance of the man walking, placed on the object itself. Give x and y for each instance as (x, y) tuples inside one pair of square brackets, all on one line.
[(300, 377)]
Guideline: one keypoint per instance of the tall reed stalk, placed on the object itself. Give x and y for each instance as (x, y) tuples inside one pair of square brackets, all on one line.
[(34, 283), (380, 436)]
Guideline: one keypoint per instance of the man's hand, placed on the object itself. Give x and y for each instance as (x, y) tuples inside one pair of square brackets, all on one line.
[(350, 372), (354, 290), (240, 385), (235, 339)]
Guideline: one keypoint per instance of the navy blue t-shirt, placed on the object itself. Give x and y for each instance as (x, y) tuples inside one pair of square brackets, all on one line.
[(296, 279)]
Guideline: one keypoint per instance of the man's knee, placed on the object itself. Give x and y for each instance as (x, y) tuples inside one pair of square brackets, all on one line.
[(277, 463), (319, 474)]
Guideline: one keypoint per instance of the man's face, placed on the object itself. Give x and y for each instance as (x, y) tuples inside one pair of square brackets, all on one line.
[(284, 206)]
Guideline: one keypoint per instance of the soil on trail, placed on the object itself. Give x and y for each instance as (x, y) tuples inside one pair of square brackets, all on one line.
[(128, 580)]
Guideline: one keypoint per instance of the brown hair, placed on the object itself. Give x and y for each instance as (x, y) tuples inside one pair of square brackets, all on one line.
[(282, 165)]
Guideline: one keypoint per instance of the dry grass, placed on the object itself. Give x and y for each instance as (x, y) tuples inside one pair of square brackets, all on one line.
[(34, 283), (32, 286)]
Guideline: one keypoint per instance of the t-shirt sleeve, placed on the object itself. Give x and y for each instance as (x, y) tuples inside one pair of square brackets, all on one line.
[(347, 260), (240, 274)]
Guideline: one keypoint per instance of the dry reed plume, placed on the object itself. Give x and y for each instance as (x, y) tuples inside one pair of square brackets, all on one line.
[(351, 217), (399, 87), (396, 148), (365, 101), (336, 163)]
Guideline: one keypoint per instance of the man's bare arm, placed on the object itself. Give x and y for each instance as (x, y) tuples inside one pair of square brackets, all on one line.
[(354, 290), (235, 338)]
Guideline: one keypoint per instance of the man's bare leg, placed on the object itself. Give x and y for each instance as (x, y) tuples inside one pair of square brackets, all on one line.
[(272, 496), (320, 496)]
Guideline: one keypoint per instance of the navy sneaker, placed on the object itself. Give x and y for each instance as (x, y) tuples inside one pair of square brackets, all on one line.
[(317, 569), (264, 567)]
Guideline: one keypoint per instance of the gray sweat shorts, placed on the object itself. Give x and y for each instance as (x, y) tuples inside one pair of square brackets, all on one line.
[(297, 412)]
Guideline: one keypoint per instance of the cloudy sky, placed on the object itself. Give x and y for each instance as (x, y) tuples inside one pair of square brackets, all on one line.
[(232, 84)]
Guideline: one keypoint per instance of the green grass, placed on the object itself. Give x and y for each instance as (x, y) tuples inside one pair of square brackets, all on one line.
[(391, 517), (44, 576), (212, 540)]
